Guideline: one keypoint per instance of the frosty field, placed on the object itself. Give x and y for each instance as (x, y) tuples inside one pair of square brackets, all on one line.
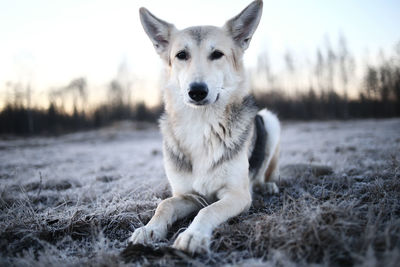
[(74, 200)]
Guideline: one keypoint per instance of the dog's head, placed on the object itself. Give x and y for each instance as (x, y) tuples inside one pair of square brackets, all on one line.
[(205, 62)]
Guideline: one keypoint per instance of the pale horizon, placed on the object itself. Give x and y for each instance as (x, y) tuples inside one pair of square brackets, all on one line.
[(49, 43)]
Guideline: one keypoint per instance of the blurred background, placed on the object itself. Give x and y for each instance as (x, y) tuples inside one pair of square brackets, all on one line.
[(81, 64)]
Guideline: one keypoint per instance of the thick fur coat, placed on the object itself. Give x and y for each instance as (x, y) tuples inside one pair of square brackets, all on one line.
[(215, 144)]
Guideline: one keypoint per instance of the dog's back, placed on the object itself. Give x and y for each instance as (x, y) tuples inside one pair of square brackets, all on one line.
[(263, 159)]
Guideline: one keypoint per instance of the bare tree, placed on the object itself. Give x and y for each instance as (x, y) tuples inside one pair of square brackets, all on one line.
[(371, 82), (56, 98), (290, 67), (115, 93), (330, 64), (125, 81), (346, 65), (319, 70), (396, 76), (78, 88), (265, 70), (17, 94)]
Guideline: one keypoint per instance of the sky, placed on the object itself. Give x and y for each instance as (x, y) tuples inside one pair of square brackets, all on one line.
[(47, 43)]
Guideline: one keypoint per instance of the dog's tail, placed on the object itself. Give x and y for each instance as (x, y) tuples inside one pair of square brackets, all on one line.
[(269, 170)]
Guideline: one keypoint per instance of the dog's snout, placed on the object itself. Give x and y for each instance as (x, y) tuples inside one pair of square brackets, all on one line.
[(198, 91)]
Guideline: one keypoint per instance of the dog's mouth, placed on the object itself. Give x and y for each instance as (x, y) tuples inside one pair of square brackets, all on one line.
[(202, 102), (216, 99), (199, 103)]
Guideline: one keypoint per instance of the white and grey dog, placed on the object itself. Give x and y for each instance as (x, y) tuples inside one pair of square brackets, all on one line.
[(215, 144)]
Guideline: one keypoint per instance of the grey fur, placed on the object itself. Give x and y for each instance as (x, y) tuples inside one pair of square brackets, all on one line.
[(159, 31), (243, 26), (198, 199), (258, 151), (231, 152), (180, 160), (198, 33), (173, 149), (239, 122), (223, 128)]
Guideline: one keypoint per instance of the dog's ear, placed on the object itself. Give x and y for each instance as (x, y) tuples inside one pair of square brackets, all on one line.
[(159, 31), (243, 26)]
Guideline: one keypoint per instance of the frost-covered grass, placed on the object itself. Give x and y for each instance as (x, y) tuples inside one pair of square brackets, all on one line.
[(74, 200)]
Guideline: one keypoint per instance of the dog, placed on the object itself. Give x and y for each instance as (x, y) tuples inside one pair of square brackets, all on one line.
[(216, 145)]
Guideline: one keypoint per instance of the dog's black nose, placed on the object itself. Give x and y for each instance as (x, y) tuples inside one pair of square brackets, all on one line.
[(198, 91)]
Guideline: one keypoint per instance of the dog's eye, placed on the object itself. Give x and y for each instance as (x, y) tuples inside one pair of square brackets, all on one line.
[(182, 55), (216, 55)]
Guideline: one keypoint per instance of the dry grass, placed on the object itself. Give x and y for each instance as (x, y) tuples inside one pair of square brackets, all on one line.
[(74, 200)]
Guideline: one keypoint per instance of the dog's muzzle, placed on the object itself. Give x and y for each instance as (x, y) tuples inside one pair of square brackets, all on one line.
[(198, 92)]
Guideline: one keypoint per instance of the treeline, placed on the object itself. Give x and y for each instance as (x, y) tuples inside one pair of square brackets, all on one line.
[(18, 117), (326, 106), (329, 79), (22, 121), (324, 96)]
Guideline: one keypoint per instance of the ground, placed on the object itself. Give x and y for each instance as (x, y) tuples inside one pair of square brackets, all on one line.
[(75, 199)]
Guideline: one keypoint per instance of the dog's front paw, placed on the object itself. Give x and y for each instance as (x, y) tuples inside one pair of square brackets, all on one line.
[(146, 235), (192, 242), (272, 188)]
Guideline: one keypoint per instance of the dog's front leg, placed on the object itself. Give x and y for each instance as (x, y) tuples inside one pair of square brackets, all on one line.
[(197, 237), (168, 211)]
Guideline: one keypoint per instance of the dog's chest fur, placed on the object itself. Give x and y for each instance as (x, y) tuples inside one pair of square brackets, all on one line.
[(200, 142)]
